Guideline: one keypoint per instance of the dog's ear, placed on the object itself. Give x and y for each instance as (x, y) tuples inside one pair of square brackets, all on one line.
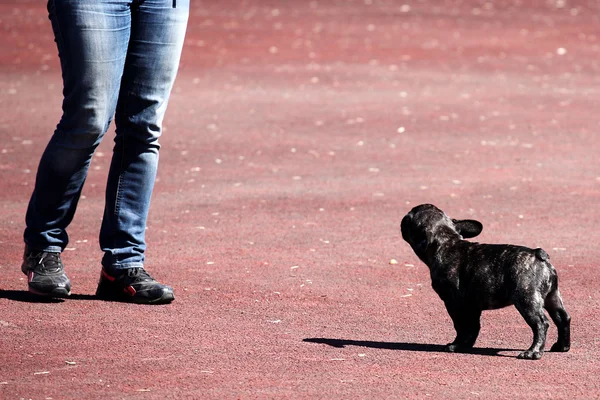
[(468, 228)]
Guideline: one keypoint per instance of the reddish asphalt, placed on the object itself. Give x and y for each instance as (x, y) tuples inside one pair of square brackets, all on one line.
[(298, 135)]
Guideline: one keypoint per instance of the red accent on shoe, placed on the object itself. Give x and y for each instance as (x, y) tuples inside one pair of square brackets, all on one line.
[(107, 276), (30, 276), (130, 290)]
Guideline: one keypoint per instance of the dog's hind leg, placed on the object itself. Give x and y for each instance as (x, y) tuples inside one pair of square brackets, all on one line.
[(533, 313), (554, 305)]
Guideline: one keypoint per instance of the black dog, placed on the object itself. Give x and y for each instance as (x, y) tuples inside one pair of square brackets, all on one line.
[(471, 277)]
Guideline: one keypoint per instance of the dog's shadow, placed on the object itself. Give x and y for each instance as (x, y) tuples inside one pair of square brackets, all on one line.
[(24, 296), (421, 347)]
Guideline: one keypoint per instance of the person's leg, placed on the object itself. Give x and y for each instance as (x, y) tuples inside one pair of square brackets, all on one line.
[(92, 38), (157, 34)]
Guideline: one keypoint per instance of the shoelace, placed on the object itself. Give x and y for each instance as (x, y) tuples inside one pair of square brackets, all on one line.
[(49, 262), (138, 275)]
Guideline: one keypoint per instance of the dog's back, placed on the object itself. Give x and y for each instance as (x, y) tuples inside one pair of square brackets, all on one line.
[(491, 276)]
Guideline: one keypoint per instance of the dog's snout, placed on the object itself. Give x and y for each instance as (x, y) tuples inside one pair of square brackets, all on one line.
[(404, 225)]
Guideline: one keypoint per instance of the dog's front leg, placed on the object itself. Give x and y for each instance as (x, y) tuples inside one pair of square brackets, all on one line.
[(467, 325)]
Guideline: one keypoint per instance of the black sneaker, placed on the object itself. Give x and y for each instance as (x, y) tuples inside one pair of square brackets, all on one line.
[(133, 285), (45, 274)]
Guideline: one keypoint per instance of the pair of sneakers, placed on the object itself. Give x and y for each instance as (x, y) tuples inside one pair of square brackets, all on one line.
[(46, 277)]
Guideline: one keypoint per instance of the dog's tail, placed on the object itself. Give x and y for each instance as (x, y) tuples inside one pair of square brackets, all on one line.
[(541, 255)]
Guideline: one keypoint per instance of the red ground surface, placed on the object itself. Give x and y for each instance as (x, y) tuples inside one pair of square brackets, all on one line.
[(298, 135)]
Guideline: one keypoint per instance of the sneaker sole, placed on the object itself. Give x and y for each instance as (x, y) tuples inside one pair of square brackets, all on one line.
[(166, 298), (60, 293)]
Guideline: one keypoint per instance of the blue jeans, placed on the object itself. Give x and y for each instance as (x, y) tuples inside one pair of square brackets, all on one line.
[(118, 58)]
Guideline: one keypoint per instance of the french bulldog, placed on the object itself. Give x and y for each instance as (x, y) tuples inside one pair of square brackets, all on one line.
[(471, 277)]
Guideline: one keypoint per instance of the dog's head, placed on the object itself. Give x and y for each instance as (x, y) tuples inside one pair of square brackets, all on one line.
[(426, 225)]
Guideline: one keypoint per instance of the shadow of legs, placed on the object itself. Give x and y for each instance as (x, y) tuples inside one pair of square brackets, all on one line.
[(27, 297), (423, 347)]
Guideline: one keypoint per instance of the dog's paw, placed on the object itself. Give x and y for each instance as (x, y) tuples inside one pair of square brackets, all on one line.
[(560, 347), (451, 347), (530, 355)]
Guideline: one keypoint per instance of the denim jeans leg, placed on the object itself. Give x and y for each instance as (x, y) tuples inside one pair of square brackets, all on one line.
[(92, 38), (157, 34)]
